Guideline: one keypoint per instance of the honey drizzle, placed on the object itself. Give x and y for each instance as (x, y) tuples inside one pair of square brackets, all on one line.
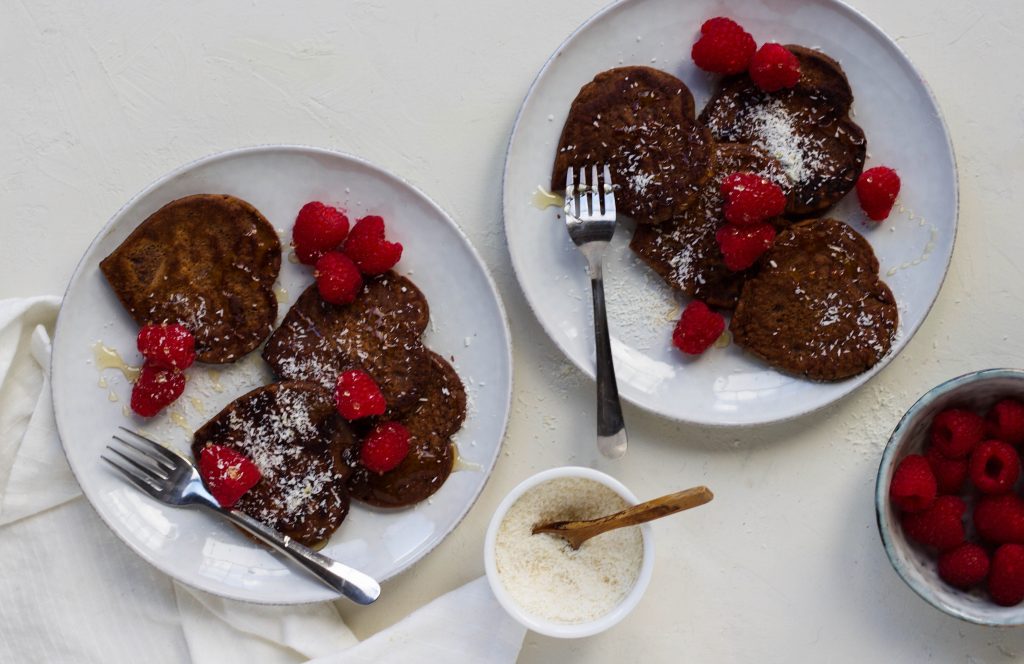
[(108, 358)]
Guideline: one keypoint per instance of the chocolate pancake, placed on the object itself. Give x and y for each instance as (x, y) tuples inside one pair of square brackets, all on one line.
[(807, 128), (294, 435), (684, 251), (639, 121), (378, 333), (817, 308), (208, 262), (440, 413)]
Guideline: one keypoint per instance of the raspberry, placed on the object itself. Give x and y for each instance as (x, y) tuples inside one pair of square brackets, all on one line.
[(950, 474), (994, 467), (385, 447), (751, 199), (167, 346), (1006, 575), (1006, 421), (965, 566), (369, 250), (358, 396), (742, 246), (773, 68), (724, 47), (318, 229), (940, 526), (913, 486), (155, 389), (697, 329), (337, 278), (955, 432), (226, 473), (1000, 519), (877, 189)]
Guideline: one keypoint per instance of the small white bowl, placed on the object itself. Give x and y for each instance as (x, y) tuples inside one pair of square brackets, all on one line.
[(542, 625), (917, 567)]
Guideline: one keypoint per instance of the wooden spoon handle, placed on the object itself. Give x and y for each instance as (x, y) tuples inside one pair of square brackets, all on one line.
[(653, 509), (576, 532)]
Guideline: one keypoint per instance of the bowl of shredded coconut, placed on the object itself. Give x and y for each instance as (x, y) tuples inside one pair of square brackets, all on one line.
[(546, 585)]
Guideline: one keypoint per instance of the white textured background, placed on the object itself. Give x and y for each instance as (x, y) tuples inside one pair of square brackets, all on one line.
[(785, 565)]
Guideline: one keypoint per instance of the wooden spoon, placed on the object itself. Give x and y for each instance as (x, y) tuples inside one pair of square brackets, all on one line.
[(578, 532)]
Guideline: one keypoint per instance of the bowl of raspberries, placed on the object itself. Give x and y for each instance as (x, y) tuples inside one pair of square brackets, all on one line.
[(950, 497)]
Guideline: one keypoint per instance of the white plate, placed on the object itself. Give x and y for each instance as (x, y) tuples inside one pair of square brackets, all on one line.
[(467, 323), (725, 387)]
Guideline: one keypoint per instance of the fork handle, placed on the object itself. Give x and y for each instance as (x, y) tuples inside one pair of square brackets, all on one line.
[(353, 584), (611, 428)]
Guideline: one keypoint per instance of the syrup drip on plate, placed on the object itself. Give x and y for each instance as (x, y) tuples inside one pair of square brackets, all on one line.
[(543, 199), (461, 464), (108, 358)]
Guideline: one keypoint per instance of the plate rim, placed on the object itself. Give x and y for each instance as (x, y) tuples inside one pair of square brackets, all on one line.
[(321, 151), (856, 381)]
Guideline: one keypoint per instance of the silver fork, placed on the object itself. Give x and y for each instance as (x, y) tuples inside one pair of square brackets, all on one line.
[(590, 218), (172, 479)]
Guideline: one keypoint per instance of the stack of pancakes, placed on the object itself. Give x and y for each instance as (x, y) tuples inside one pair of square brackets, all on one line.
[(668, 166), (209, 262)]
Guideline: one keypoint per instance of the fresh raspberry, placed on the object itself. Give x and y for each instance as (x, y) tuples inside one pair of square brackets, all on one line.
[(226, 473), (965, 566), (955, 432), (697, 329), (155, 389), (751, 199), (1000, 519), (913, 486), (950, 474), (940, 526), (385, 447), (1006, 421), (774, 67), (318, 229), (167, 346), (877, 189), (724, 47), (742, 246), (994, 467), (358, 396), (337, 278), (369, 250), (1006, 575)]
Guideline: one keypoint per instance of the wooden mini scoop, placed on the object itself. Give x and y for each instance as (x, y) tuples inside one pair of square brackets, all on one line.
[(578, 532)]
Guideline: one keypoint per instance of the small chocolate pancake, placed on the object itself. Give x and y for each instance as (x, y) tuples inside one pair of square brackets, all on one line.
[(440, 414), (817, 308), (208, 262), (807, 128), (294, 435), (639, 121), (378, 333), (684, 251)]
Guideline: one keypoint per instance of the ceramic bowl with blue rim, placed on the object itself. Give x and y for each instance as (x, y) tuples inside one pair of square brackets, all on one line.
[(916, 565)]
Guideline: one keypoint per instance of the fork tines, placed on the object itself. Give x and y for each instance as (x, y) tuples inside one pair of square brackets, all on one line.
[(143, 461), (596, 200)]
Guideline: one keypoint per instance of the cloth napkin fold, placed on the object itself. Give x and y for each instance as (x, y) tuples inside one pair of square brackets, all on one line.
[(70, 591)]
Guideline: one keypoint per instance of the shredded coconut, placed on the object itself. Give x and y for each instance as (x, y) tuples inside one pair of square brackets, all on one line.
[(542, 572)]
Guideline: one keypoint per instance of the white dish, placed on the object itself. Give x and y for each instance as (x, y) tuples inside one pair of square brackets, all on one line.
[(543, 625), (726, 386), (468, 324)]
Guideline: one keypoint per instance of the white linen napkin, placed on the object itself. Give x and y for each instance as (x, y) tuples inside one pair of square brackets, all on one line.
[(70, 591)]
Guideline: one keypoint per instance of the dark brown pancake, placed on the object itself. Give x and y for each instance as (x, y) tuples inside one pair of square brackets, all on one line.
[(208, 262), (293, 433), (440, 414), (684, 251), (378, 333), (817, 308), (807, 128), (639, 121)]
